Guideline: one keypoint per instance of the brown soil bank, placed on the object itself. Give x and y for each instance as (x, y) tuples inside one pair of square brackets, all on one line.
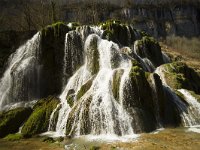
[(171, 139), (168, 139), (29, 144)]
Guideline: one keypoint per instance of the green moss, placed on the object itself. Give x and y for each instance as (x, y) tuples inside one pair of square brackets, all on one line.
[(176, 80), (149, 48), (147, 75), (39, 120), (12, 120), (138, 94), (70, 100), (116, 83), (148, 39), (179, 76), (14, 137), (118, 32), (84, 118), (85, 88), (93, 55), (143, 33), (56, 27), (95, 148), (136, 71), (48, 140), (95, 66), (60, 139), (135, 63)]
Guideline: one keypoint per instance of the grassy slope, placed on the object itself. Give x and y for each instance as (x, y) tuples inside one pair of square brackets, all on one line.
[(186, 56)]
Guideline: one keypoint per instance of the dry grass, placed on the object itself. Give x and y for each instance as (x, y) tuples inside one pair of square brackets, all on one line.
[(185, 46), (183, 49)]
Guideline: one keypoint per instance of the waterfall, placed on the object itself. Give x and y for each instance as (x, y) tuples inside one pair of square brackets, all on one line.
[(100, 83), (194, 107), (105, 115), (75, 82), (147, 65), (156, 99), (166, 58), (52, 121), (19, 82), (73, 54), (187, 114)]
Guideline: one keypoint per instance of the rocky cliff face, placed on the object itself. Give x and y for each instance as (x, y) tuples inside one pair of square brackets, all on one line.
[(158, 18), (181, 20)]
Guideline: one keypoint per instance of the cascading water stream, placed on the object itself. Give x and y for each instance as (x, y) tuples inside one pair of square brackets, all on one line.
[(88, 103), (145, 62), (79, 78), (75, 82), (194, 107), (186, 113), (156, 99), (18, 77), (106, 115)]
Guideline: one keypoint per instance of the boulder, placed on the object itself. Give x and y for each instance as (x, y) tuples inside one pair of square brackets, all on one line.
[(12, 120), (38, 122)]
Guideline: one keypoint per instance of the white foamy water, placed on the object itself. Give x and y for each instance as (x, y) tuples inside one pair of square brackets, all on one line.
[(191, 100), (195, 129), (106, 116), (110, 138), (20, 64)]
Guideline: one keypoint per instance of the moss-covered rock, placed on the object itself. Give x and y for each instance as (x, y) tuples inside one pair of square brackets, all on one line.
[(14, 137), (70, 100), (138, 100), (48, 140), (85, 88), (149, 48), (51, 58), (92, 54), (39, 120), (70, 97), (95, 148), (74, 117), (116, 83), (12, 120), (57, 28), (179, 76), (118, 32)]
